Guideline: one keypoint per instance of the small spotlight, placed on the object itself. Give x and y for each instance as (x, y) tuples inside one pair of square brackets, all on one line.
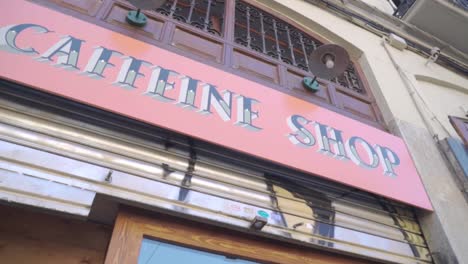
[(258, 223), (329, 61)]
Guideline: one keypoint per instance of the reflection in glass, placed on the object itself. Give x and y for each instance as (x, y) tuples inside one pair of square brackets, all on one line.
[(156, 252)]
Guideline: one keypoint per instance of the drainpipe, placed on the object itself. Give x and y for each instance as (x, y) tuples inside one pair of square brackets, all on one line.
[(413, 92)]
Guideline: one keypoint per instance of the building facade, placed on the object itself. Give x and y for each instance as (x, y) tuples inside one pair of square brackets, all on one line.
[(195, 137)]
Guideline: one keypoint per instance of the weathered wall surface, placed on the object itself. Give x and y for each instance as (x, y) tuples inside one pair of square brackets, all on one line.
[(49, 239)]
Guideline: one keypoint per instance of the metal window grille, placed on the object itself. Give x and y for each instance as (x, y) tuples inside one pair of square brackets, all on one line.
[(269, 35), (207, 15), (461, 3), (403, 7)]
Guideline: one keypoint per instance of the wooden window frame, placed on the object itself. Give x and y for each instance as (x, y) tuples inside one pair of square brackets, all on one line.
[(132, 225), (461, 127), (227, 55)]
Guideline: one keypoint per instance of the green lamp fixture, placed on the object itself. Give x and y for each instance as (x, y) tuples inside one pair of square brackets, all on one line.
[(311, 84), (136, 17)]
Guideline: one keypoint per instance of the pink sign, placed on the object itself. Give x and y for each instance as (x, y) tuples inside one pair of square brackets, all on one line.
[(62, 55)]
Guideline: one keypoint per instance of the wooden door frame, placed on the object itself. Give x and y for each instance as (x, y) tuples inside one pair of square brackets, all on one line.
[(132, 226)]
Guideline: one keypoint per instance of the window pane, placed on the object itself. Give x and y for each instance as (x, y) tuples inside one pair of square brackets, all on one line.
[(207, 15), (156, 252)]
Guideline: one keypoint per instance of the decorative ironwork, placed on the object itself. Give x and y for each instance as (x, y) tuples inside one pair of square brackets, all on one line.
[(207, 15), (350, 79), (402, 7), (269, 35), (463, 4)]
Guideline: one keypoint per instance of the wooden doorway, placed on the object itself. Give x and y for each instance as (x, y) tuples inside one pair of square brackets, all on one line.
[(132, 227)]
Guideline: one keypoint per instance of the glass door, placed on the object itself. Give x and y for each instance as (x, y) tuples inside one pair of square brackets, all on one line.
[(156, 252), (153, 238)]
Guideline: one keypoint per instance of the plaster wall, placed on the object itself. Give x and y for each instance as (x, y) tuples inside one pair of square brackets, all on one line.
[(382, 5), (439, 92), (443, 101)]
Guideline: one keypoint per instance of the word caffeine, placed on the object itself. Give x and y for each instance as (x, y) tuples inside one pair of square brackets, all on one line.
[(65, 53)]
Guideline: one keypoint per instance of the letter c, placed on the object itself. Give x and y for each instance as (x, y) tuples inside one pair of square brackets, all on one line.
[(8, 35)]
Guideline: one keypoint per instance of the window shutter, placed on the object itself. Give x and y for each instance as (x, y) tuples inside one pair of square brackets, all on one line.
[(461, 126)]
